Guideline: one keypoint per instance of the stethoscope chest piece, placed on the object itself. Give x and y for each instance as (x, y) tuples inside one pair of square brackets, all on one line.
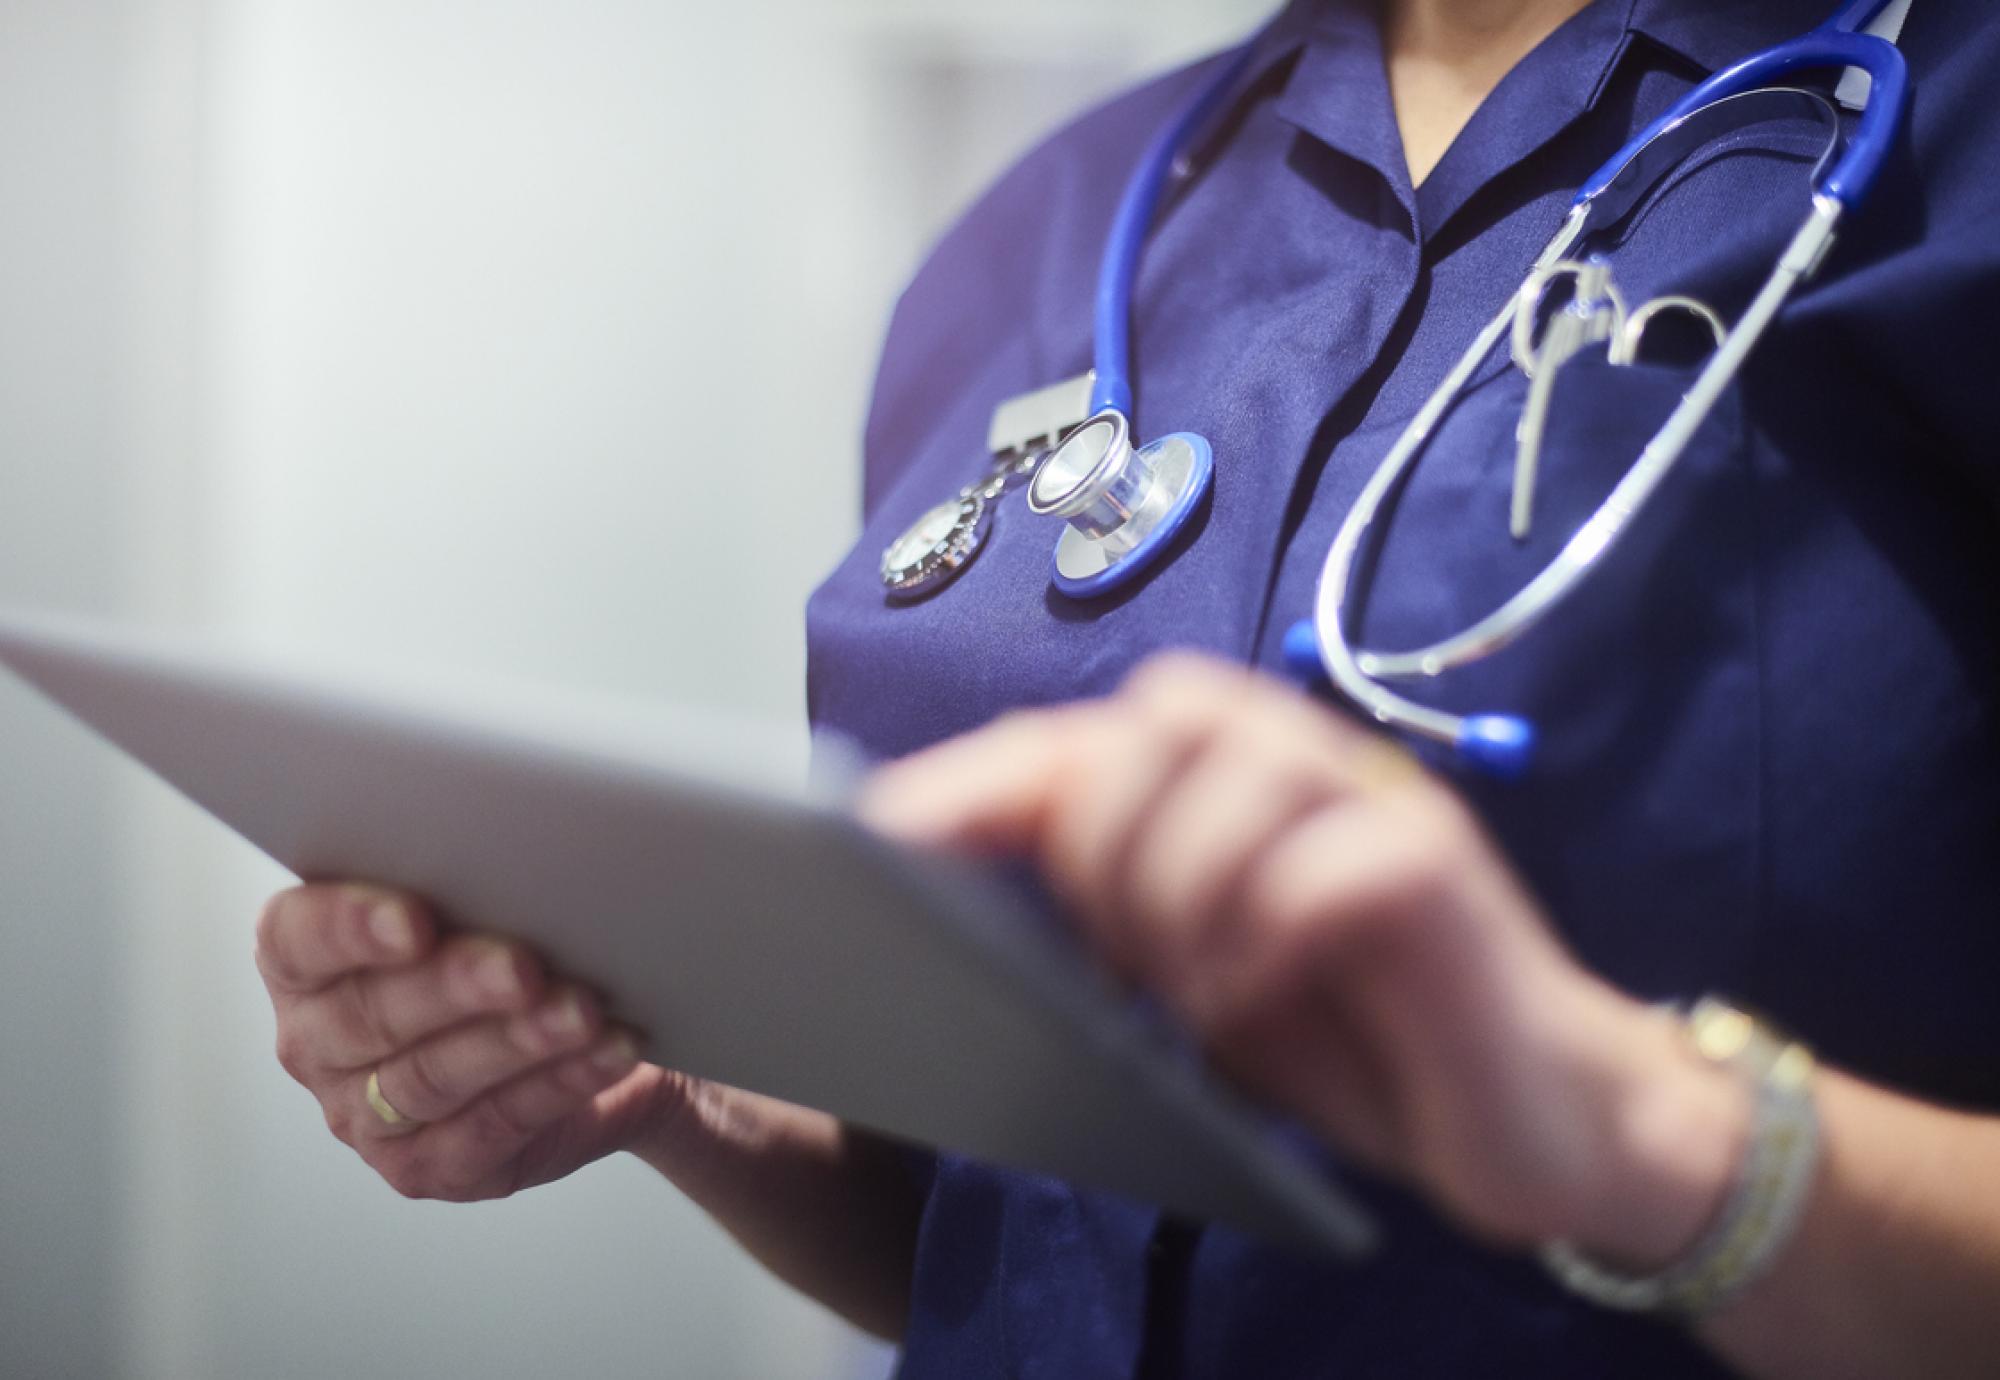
[(1124, 506)]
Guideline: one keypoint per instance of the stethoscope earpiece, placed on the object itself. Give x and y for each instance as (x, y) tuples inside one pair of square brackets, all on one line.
[(1496, 745), (1299, 654)]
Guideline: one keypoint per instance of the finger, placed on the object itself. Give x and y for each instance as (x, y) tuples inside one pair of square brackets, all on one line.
[(1140, 743), (366, 1016), (311, 936), (1186, 868), (1098, 810), (1265, 756), (1339, 742), (1277, 757), (1186, 677), (476, 1153), (985, 791), (1358, 958), (440, 1077), (1310, 907), (990, 789)]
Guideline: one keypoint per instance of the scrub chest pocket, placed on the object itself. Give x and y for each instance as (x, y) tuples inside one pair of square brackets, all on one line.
[(1648, 673)]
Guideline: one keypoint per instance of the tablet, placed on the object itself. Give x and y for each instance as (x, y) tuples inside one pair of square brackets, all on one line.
[(758, 934)]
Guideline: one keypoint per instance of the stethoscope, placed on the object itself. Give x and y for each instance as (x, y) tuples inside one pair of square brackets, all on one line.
[(1125, 504), (1502, 744)]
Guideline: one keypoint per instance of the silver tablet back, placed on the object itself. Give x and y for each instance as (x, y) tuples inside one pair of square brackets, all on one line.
[(763, 940)]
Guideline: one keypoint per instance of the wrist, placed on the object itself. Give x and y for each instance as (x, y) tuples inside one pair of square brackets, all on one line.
[(1678, 1126)]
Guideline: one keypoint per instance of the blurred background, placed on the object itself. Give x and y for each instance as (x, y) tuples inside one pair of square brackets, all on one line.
[(452, 335)]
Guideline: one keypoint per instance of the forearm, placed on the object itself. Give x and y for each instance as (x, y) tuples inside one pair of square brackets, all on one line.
[(831, 1211), (1895, 1270)]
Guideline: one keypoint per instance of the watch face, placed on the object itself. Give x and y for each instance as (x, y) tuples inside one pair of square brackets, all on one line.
[(936, 546), (927, 533)]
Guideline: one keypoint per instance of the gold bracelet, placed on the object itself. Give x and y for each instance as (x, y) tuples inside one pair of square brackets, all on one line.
[(1766, 1200)]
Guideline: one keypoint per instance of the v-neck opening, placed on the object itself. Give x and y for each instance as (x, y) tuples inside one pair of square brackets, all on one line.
[(1339, 94), (1549, 89)]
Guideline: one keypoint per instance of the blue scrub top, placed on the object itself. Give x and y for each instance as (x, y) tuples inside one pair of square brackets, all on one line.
[(1770, 765)]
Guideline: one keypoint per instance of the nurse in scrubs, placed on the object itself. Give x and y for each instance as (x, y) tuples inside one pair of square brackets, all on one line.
[(1770, 765)]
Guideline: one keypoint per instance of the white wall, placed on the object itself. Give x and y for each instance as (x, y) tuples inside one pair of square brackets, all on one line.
[(508, 337), (59, 1125)]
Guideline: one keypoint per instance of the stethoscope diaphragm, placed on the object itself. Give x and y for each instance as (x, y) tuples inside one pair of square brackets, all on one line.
[(1124, 505)]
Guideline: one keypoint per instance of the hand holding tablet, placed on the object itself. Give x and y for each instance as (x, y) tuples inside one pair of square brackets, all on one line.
[(762, 940)]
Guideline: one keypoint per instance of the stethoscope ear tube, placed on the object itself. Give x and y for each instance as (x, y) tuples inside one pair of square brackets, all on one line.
[(1118, 270), (1835, 45)]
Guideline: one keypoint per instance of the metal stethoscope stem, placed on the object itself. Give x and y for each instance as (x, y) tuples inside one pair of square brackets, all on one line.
[(1094, 479)]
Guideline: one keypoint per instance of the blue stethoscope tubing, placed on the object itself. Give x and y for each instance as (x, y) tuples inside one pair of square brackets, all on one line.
[(1111, 399), (1836, 43), (1503, 744), (1118, 269)]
